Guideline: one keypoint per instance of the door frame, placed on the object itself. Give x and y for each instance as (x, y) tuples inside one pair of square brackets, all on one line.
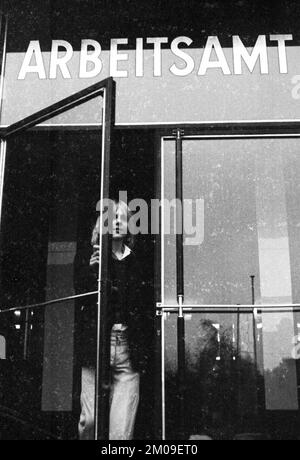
[(226, 131), (107, 90)]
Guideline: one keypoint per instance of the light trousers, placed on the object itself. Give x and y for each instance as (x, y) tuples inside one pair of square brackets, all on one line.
[(124, 392)]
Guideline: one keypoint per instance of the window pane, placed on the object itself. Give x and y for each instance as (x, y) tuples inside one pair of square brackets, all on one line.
[(242, 220), (233, 384), (52, 185)]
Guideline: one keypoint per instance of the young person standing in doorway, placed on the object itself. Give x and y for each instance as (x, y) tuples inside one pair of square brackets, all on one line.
[(126, 323)]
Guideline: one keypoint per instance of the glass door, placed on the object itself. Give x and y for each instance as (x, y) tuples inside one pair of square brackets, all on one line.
[(53, 307), (229, 310)]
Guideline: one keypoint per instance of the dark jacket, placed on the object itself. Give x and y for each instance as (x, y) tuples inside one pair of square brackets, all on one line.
[(85, 280)]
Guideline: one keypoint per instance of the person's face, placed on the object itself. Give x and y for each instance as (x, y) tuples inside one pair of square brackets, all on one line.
[(119, 223), (118, 219)]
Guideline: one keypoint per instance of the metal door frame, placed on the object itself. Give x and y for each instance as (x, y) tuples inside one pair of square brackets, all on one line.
[(233, 131), (107, 90)]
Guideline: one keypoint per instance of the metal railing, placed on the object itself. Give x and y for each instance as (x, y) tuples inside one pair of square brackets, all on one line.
[(293, 308), (9, 309)]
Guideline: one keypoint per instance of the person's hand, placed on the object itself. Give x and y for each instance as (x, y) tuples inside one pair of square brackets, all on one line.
[(95, 257)]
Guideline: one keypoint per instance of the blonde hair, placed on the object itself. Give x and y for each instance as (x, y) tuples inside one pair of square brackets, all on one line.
[(129, 238)]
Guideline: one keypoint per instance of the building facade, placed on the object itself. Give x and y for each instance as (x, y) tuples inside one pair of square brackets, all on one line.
[(173, 103)]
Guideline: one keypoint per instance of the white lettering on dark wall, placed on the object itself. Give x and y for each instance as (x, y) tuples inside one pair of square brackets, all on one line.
[(211, 58), (213, 45), (281, 39), (157, 57), (59, 61), (116, 56), (259, 53), (188, 60), (33, 62), (90, 57)]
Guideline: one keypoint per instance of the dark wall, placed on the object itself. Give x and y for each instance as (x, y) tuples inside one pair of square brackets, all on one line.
[(101, 20)]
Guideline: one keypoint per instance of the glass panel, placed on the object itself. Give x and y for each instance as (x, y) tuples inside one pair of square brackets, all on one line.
[(87, 114), (231, 391), (51, 188), (24, 101), (280, 343), (242, 220)]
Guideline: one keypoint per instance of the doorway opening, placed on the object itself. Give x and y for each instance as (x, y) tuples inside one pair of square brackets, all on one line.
[(51, 189)]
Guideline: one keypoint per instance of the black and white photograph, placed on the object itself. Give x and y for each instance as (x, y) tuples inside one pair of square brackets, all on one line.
[(149, 222)]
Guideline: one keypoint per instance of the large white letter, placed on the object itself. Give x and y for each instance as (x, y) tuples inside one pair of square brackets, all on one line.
[(139, 59), (181, 72), (259, 52), (281, 39), (93, 57), (157, 42), (34, 49), (206, 63), (60, 61), (115, 57)]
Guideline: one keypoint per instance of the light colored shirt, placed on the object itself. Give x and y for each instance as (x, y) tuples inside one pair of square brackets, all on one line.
[(125, 254)]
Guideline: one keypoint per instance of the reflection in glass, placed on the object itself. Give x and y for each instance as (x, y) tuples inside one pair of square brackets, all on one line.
[(221, 376), (226, 394), (249, 190)]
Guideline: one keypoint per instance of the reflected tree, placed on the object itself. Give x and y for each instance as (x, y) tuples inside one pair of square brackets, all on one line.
[(221, 387)]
